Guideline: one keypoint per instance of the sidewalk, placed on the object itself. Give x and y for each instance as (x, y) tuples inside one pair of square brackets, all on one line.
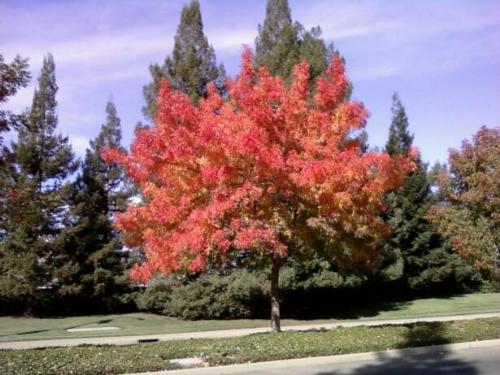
[(128, 340), (476, 357)]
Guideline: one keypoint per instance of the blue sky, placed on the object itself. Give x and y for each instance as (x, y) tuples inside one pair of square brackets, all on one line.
[(442, 57)]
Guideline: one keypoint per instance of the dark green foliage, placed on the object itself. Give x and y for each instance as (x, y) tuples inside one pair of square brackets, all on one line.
[(37, 201), (415, 253), (281, 43), (192, 64), (13, 76), (400, 140), (94, 275), (315, 288), (239, 294), (156, 296), (316, 273)]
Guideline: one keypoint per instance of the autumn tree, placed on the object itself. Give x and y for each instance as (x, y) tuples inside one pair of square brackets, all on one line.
[(264, 171), (415, 252), (469, 209), (192, 64), (282, 43)]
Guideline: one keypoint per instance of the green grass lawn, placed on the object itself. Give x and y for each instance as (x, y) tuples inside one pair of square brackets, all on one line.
[(14, 329), (94, 360)]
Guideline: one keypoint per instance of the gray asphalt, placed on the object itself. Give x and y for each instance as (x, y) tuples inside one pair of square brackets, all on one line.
[(474, 358), (129, 340)]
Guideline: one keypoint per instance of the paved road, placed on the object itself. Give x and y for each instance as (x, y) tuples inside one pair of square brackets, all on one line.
[(475, 358), (128, 340)]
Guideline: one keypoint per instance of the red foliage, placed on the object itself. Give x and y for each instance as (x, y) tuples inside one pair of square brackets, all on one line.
[(253, 172)]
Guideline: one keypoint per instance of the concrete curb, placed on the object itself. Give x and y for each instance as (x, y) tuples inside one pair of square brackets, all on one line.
[(335, 359), (129, 340)]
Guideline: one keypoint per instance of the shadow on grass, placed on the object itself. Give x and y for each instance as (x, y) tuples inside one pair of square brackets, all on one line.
[(348, 303), (350, 306), (104, 321), (30, 332), (414, 360), (64, 329)]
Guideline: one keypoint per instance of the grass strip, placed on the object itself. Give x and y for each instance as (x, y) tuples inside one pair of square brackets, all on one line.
[(92, 360), (22, 329)]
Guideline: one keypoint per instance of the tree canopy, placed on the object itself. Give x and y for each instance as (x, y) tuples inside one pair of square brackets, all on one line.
[(192, 65), (468, 213), (282, 43), (262, 171)]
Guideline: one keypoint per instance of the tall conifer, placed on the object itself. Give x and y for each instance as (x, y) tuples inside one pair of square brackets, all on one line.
[(13, 76), (38, 200), (92, 244), (416, 253), (192, 64), (281, 43)]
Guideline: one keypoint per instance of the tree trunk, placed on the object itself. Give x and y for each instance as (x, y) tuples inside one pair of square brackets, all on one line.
[(275, 294)]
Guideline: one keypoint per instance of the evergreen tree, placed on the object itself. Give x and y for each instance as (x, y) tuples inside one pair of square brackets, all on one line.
[(281, 43), (93, 246), (415, 253), (192, 64), (13, 76), (37, 200), (400, 140)]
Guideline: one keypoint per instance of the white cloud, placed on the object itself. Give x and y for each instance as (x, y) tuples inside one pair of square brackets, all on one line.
[(231, 39), (411, 38), (93, 50), (375, 71), (79, 143), (22, 100)]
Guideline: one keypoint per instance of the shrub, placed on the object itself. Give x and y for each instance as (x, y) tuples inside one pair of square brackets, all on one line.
[(241, 294), (156, 296)]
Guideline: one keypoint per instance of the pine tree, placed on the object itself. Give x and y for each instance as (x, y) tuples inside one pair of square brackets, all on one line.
[(92, 244), (415, 253), (277, 44), (281, 43), (192, 64), (400, 140), (38, 200), (13, 76)]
